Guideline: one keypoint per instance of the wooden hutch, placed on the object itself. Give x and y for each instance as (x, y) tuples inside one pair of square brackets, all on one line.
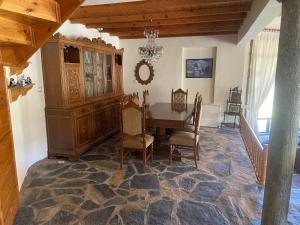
[(83, 87)]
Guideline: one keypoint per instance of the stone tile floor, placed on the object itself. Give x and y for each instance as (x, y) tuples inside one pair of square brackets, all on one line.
[(94, 191)]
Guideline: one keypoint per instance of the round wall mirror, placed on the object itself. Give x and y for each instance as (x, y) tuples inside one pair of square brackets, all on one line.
[(144, 72)]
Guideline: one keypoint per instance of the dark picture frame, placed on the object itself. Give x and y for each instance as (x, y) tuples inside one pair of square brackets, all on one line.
[(199, 68)]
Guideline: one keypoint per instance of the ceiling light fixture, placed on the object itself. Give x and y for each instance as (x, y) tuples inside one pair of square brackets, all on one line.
[(151, 52)]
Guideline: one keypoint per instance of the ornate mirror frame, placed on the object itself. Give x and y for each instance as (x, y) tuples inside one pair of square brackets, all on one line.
[(137, 72)]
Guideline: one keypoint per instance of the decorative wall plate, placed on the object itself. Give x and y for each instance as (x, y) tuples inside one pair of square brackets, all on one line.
[(137, 73)]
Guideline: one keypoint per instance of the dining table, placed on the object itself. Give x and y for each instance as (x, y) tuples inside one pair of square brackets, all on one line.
[(163, 116), (168, 115)]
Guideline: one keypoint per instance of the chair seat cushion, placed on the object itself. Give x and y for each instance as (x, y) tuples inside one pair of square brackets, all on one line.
[(187, 128), (137, 142), (183, 138)]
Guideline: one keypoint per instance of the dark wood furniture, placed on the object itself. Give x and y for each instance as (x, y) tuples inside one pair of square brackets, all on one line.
[(83, 87), (179, 97), (135, 98), (162, 116), (187, 139), (133, 135), (146, 98), (233, 105)]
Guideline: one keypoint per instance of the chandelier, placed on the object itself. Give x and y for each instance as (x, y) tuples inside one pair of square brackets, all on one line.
[(151, 52)]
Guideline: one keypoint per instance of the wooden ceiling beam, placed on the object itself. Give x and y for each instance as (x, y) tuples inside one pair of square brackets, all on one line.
[(170, 22), (46, 10), (164, 15), (42, 29), (151, 6), (180, 35), (7, 56), (175, 31), (13, 32), (68, 8), (183, 28)]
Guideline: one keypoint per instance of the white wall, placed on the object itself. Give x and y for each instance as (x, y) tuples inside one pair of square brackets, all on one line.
[(28, 114), (231, 67), (28, 121)]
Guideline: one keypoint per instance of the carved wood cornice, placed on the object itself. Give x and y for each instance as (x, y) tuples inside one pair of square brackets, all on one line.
[(83, 40)]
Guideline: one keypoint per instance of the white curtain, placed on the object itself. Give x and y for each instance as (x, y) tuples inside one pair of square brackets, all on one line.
[(262, 72)]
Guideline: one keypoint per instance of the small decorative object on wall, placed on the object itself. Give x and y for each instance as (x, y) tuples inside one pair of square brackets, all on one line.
[(21, 82), (199, 68), (12, 83), (144, 72)]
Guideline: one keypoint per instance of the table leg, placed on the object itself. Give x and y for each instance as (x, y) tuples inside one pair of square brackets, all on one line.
[(162, 147)]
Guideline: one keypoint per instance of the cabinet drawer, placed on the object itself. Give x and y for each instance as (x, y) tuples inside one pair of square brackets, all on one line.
[(82, 111), (103, 105)]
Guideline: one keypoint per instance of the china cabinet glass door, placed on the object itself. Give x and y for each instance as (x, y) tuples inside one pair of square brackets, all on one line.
[(109, 84), (89, 73), (100, 80)]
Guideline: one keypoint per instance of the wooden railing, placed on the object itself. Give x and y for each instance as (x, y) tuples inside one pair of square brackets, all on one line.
[(257, 153)]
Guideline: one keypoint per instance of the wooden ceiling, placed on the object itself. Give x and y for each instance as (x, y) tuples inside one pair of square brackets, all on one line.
[(173, 18), (25, 25)]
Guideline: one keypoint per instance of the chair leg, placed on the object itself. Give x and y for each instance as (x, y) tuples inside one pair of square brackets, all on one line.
[(171, 154), (151, 152), (197, 150), (144, 156), (195, 156), (121, 156)]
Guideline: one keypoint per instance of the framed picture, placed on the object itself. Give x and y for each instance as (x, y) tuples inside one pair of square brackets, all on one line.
[(233, 108), (199, 68)]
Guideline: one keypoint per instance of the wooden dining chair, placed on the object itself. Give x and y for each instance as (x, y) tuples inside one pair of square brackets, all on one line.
[(135, 98), (179, 97), (126, 99), (194, 110), (188, 140), (146, 98), (191, 127), (133, 136)]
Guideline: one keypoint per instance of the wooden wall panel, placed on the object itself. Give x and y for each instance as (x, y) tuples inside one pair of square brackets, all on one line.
[(9, 194)]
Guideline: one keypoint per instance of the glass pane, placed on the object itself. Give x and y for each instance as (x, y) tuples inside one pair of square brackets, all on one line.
[(71, 54), (109, 87), (262, 125), (88, 70), (99, 62)]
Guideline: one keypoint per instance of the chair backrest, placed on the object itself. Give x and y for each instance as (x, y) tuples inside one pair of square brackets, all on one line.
[(198, 114), (135, 98), (132, 119), (146, 97), (195, 101), (126, 99), (179, 96)]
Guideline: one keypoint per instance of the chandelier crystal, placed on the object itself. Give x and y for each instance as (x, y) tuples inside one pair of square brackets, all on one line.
[(151, 52)]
